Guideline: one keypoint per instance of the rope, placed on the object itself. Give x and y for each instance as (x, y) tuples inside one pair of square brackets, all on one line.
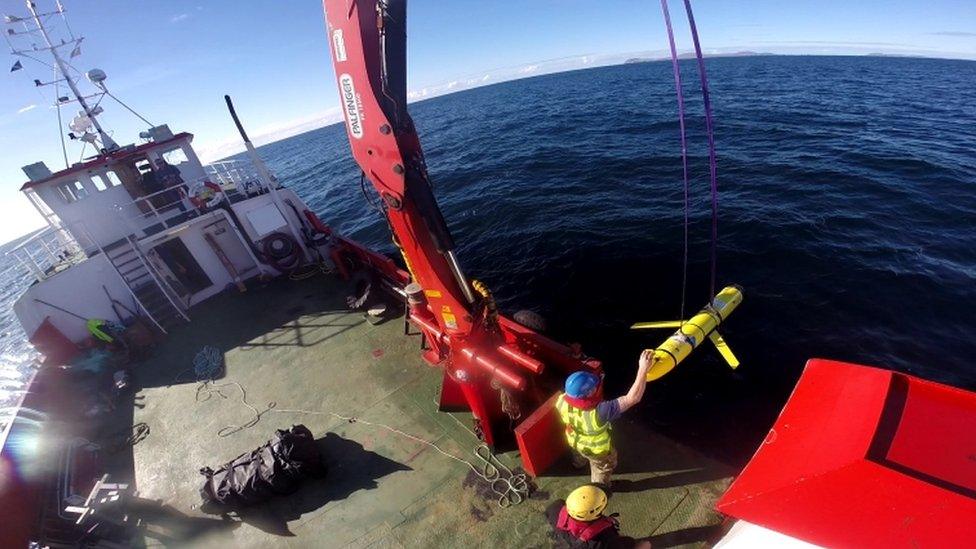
[(207, 362), (128, 108), (684, 149), (378, 205), (128, 438), (311, 270), (207, 389), (511, 488), (709, 130)]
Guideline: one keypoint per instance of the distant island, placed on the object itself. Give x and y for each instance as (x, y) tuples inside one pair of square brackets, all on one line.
[(912, 55), (689, 55)]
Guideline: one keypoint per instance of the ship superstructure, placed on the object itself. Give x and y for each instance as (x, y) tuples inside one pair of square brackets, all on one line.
[(144, 225)]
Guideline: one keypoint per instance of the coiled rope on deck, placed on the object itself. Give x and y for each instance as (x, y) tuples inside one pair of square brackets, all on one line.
[(207, 366)]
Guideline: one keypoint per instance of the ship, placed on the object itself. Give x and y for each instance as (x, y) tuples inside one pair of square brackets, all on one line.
[(190, 313)]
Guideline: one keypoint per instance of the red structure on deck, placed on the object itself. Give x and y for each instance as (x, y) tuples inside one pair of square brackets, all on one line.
[(865, 457), (492, 366)]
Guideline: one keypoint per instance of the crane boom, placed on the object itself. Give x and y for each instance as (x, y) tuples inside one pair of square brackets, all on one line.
[(368, 41), (493, 366)]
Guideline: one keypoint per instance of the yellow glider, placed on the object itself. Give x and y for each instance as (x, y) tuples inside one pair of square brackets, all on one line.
[(692, 332)]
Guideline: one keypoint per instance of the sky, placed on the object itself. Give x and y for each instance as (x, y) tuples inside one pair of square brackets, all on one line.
[(172, 60)]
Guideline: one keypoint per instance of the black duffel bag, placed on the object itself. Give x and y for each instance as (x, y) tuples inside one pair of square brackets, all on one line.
[(277, 467)]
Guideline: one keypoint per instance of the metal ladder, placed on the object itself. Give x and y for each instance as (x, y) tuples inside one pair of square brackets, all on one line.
[(145, 284)]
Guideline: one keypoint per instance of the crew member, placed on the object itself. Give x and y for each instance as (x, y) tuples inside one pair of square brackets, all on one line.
[(169, 178), (150, 183), (580, 522), (168, 174), (587, 418)]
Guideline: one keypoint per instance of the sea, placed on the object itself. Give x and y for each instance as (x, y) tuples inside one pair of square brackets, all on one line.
[(847, 213)]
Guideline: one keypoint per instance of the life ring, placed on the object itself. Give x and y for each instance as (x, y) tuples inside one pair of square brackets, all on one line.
[(205, 194)]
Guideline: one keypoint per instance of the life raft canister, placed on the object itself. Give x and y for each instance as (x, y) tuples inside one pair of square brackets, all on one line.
[(205, 194)]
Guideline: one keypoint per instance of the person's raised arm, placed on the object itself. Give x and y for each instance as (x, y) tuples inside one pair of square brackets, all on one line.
[(636, 391)]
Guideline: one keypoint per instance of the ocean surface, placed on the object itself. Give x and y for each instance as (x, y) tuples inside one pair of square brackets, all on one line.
[(16, 354), (847, 213)]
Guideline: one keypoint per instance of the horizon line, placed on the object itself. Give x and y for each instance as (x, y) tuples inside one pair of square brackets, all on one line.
[(232, 146)]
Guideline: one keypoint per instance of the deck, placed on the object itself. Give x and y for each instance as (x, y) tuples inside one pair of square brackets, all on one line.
[(295, 344)]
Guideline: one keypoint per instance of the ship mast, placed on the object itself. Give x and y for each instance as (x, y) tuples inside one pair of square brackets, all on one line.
[(88, 114), (107, 142)]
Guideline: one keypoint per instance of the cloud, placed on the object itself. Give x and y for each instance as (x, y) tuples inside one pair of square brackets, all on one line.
[(180, 17), (232, 144), (504, 74), (22, 110), (961, 34)]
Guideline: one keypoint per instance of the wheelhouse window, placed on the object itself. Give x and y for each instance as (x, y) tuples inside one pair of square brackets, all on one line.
[(107, 180), (175, 157), (100, 183), (144, 166), (71, 191), (114, 179)]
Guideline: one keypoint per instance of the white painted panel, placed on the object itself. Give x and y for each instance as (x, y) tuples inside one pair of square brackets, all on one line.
[(79, 290), (233, 248), (242, 209), (745, 535), (95, 214), (266, 219)]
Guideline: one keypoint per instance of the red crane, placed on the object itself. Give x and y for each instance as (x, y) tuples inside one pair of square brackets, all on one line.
[(493, 366)]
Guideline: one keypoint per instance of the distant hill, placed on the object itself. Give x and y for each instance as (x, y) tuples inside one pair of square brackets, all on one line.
[(690, 55), (880, 54)]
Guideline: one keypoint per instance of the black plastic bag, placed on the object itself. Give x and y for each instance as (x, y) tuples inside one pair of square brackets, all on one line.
[(277, 467)]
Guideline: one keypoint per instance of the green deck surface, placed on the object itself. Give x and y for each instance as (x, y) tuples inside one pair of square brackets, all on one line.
[(295, 344)]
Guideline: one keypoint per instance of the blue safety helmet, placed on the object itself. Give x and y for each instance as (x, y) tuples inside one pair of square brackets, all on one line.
[(582, 384)]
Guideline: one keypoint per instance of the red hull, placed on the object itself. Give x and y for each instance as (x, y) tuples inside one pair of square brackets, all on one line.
[(864, 457)]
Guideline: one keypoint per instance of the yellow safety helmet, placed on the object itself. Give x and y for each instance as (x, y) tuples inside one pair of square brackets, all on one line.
[(586, 503)]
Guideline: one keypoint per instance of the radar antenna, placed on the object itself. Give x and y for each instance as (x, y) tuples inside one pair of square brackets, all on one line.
[(34, 26)]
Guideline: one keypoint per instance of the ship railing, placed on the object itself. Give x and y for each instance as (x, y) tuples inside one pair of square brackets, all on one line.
[(173, 205), (48, 252), (240, 175)]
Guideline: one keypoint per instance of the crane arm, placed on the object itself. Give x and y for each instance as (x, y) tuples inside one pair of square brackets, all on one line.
[(492, 365), (368, 43)]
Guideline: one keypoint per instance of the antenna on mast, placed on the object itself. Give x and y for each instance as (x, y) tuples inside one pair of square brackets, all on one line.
[(88, 116)]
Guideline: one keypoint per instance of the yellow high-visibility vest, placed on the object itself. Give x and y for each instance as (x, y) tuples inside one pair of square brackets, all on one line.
[(584, 431), (95, 328)]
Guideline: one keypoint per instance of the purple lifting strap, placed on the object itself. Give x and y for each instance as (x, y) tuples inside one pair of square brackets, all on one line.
[(711, 139), (684, 146)]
